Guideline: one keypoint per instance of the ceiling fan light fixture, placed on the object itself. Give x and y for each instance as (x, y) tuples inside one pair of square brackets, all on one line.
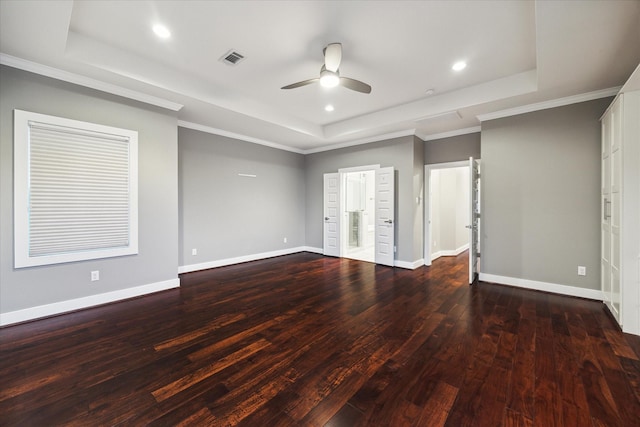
[(329, 78), (330, 74)]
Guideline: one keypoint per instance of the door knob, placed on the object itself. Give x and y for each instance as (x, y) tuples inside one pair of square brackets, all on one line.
[(389, 221), (326, 218)]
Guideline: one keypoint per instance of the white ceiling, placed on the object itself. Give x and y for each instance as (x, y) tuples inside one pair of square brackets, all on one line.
[(518, 53)]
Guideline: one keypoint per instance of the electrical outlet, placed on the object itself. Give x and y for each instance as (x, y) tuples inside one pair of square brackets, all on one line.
[(194, 251), (285, 240), (582, 271), (95, 275), (395, 249)]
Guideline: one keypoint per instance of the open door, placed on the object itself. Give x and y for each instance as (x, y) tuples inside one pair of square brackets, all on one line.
[(385, 216), (474, 216), (331, 230)]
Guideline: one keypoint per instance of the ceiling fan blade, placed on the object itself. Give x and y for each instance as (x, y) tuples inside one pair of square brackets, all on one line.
[(332, 56), (356, 85), (300, 84)]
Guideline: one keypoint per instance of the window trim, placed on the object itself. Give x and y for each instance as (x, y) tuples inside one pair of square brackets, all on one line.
[(22, 150)]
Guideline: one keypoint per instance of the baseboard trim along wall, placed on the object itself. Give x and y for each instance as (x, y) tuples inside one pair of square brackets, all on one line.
[(313, 250), (245, 258), (594, 294), (47, 310), (454, 252), (409, 265), (255, 257)]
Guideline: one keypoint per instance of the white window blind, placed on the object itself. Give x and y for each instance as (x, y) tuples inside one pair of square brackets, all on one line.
[(80, 197)]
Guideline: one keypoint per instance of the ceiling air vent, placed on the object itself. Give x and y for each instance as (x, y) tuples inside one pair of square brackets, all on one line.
[(232, 57)]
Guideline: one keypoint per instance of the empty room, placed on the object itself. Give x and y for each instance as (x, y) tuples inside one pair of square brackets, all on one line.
[(320, 213)]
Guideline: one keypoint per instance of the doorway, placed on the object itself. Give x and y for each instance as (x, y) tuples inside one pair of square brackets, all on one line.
[(358, 239), (370, 201), (449, 211), (452, 212)]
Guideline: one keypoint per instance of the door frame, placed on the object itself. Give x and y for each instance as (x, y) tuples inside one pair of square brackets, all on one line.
[(475, 189), (342, 172), (427, 202), (341, 202)]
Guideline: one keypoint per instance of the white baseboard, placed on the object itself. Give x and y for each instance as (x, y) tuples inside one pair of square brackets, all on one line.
[(313, 250), (245, 258), (555, 288), (254, 257), (409, 265), (454, 252), (462, 249), (84, 302)]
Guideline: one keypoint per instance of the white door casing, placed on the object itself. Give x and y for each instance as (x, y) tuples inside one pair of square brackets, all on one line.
[(615, 213), (474, 216), (331, 228), (610, 219), (620, 210), (385, 216), (605, 217)]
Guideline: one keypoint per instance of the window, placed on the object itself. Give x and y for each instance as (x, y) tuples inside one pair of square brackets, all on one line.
[(75, 190)]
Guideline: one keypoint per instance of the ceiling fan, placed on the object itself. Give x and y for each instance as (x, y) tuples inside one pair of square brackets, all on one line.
[(330, 75)]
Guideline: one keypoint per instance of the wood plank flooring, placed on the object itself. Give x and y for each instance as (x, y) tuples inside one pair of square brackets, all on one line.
[(306, 340)]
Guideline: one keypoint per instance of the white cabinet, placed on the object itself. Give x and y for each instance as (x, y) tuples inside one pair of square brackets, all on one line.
[(620, 210)]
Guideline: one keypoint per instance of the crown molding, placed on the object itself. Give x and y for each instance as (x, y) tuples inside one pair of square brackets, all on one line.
[(560, 102), (241, 137), (399, 134), (220, 132), (457, 132), (66, 76), (80, 80)]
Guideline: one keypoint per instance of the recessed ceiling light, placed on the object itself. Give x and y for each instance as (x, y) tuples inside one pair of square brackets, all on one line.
[(161, 31), (430, 92), (329, 108), (459, 66)]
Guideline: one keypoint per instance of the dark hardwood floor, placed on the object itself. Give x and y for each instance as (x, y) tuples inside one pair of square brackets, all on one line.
[(305, 340)]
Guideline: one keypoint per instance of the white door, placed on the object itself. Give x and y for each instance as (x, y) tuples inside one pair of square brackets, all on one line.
[(614, 208), (474, 216), (385, 216), (331, 230), (605, 218)]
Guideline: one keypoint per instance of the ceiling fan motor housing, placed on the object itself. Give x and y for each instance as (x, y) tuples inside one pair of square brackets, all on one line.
[(329, 78)]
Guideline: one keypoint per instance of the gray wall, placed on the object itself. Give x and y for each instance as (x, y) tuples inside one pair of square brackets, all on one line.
[(399, 153), (452, 149), (224, 215), (541, 195), (418, 197), (158, 193)]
